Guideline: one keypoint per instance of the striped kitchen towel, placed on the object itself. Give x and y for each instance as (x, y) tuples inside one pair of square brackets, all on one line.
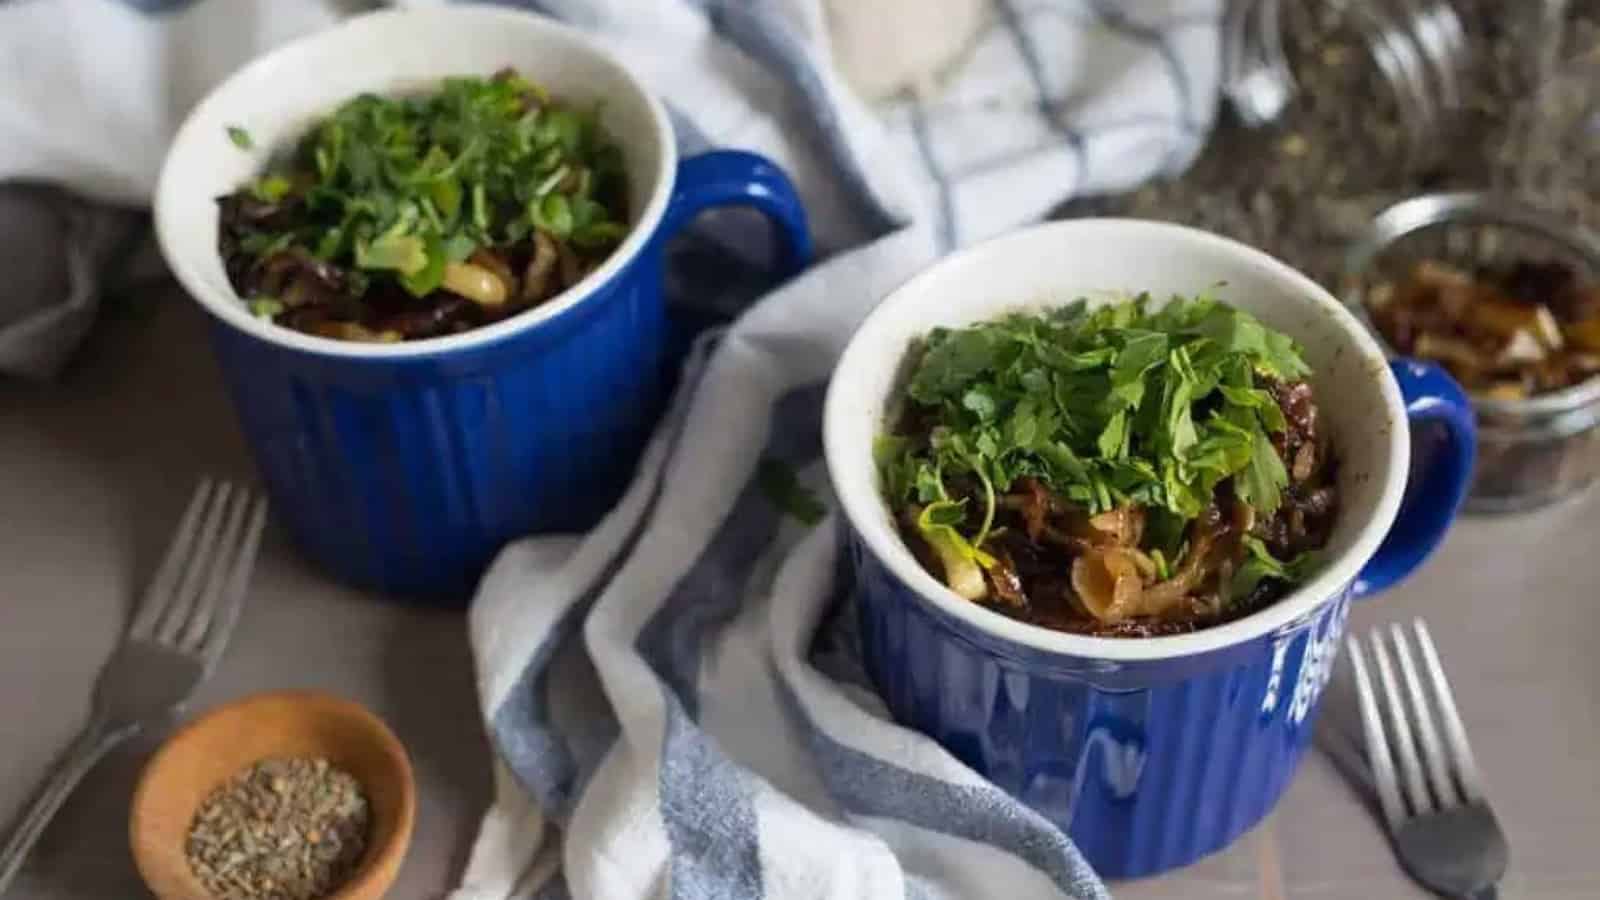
[(674, 699)]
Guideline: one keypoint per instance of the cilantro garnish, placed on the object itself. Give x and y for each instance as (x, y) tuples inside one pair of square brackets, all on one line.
[(1260, 564), (1114, 406), (404, 191), (240, 138), (782, 487)]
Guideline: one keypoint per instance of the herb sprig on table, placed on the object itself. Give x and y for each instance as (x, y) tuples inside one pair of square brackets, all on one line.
[(400, 189), (1108, 407)]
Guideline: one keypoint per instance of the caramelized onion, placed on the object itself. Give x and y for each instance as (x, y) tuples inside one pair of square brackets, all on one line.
[(1108, 585), (474, 282), (536, 279), (1123, 526), (1164, 596)]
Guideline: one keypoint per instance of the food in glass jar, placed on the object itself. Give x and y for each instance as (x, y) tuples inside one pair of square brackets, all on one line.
[(1505, 332), (1118, 471), (402, 218)]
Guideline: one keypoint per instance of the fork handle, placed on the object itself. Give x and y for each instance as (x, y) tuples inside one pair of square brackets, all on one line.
[(92, 743)]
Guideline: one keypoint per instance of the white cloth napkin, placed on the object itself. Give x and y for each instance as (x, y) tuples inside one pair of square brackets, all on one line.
[(675, 700)]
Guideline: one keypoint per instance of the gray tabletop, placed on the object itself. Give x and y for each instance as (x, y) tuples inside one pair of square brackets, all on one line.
[(93, 472)]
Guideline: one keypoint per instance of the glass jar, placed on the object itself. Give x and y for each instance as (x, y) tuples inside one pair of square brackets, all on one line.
[(1532, 451), (1338, 105), (1549, 152), (1353, 94)]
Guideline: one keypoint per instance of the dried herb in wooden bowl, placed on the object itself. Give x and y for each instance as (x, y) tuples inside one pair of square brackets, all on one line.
[(283, 829)]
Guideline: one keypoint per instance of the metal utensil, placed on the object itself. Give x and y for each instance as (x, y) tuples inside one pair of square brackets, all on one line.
[(1442, 827), (178, 632)]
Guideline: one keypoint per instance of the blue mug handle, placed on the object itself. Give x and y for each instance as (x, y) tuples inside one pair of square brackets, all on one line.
[(737, 178), (1444, 444)]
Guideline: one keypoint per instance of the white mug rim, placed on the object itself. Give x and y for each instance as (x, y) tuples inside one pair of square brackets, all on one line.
[(1288, 612), (228, 308)]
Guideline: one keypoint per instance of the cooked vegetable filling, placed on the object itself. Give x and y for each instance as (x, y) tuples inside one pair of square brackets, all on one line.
[(414, 217), (1508, 332), (1114, 470)]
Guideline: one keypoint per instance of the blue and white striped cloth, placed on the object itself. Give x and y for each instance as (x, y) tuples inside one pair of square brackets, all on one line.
[(674, 698)]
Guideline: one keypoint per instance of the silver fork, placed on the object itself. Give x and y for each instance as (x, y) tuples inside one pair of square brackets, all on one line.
[(179, 630), (1442, 827)]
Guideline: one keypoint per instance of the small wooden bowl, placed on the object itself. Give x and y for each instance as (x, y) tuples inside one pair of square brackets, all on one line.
[(211, 749)]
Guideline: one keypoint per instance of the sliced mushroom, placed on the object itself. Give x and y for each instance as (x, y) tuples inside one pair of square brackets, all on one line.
[(536, 279), (1203, 536), (1072, 542), (1305, 460)]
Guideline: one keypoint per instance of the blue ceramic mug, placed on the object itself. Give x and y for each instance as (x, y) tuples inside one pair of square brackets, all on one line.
[(1150, 752), (404, 467)]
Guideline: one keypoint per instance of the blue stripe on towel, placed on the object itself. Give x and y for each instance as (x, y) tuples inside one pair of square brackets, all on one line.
[(1118, 20), (541, 756), (530, 5), (707, 802), (522, 729), (867, 786), (708, 811), (153, 7), (527, 739), (710, 593), (946, 212), (1049, 107)]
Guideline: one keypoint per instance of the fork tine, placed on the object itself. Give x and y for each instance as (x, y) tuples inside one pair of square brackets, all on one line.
[(217, 569), (1455, 732), (1404, 746), (1433, 758), (1377, 742), (233, 590), (181, 608), (162, 587)]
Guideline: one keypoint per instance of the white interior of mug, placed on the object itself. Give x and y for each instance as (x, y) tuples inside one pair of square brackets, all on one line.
[(1056, 263), (277, 97)]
